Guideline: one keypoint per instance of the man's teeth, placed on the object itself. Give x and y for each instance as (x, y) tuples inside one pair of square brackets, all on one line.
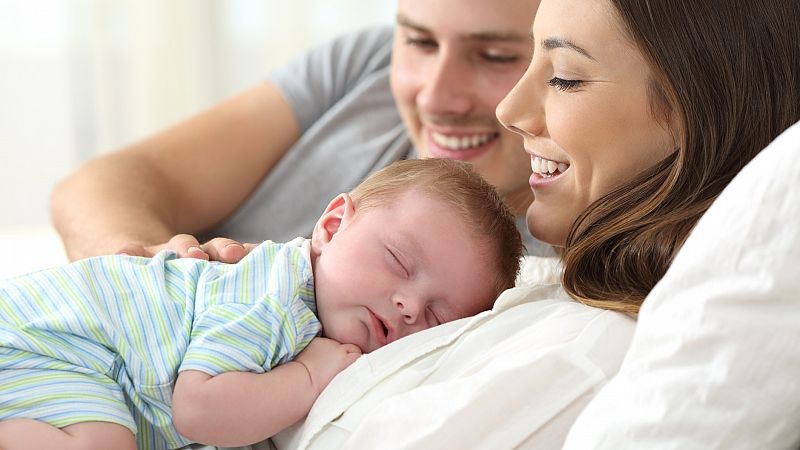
[(462, 142), (545, 167)]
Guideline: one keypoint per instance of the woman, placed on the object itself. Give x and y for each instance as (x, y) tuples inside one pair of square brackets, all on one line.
[(636, 115), (652, 124)]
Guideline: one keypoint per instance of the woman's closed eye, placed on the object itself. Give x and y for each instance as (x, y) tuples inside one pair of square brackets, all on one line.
[(563, 84)]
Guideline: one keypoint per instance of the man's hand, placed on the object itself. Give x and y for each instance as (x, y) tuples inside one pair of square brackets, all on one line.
[(186, 246), (324, 358)]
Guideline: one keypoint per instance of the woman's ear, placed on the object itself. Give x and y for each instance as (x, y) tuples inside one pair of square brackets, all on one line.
[(337, 216)]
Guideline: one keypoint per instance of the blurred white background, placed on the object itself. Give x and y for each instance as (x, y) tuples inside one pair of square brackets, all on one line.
[(83, 77)]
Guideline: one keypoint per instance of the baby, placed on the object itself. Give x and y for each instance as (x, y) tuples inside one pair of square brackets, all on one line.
[(113, 351)]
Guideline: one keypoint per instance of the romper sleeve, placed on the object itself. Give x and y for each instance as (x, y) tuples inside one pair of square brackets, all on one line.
[(253, 315), (249, 338)]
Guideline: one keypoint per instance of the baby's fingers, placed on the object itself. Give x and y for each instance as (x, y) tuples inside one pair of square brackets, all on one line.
[(352, 348)]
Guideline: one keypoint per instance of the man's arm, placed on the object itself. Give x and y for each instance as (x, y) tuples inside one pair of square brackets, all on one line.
[(183, 180), (235, 409)]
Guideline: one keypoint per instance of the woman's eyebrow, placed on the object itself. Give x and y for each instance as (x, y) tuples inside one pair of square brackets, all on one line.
[(555, 42)]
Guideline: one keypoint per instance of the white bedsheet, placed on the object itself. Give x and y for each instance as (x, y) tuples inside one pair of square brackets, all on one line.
[(24, 250)]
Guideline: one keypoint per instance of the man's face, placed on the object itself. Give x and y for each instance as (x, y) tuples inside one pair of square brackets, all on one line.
[(452, 63)]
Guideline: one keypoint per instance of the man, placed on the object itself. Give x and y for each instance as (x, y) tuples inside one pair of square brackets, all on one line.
[(263, 163)]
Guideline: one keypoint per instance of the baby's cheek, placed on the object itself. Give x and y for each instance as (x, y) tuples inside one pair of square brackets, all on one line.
[(347, 329)]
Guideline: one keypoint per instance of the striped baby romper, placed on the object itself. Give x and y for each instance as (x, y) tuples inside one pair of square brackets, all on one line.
[(103, 339)]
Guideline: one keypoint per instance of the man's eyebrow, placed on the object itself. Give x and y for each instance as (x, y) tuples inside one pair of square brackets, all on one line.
[(483, 36), (555, 42), (408, 23)]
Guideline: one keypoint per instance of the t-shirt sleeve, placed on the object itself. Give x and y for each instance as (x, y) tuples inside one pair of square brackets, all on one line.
[(249, 338), (313, 82)]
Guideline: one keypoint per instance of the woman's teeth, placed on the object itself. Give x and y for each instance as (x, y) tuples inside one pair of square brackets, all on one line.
[(462, 142), (547, 168)]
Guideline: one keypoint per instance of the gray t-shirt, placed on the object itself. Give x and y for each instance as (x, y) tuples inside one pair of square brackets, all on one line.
[(349, 128)]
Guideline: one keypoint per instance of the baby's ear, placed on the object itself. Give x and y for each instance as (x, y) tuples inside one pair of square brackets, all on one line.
[(337, 215)]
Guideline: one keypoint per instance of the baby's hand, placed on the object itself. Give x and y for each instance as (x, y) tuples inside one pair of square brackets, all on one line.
[(324, 358)]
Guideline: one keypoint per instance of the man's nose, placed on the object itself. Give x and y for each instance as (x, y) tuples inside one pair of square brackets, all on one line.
[(447, 89)]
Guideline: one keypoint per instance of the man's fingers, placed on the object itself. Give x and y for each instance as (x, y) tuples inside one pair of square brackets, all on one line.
[(225, 250), (132, 250), (187, 246)]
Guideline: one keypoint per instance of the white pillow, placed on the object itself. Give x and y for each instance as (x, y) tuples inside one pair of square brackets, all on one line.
[(715, 360)]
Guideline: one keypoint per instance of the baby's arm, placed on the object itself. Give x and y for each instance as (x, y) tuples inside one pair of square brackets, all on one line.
[(240, 408)]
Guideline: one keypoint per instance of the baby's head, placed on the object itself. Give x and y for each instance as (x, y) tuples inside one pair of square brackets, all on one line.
[(418, 243)]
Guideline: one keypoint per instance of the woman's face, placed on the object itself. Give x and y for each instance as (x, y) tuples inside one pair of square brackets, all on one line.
[(583, 111)]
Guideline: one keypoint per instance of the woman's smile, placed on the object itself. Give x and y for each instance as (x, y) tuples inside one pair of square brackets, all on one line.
[(545, 171)]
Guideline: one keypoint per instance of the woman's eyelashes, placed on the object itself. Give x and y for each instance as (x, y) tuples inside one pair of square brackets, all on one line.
[(564, 85)]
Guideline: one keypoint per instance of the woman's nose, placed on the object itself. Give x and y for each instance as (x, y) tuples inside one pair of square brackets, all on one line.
[(522, 110)]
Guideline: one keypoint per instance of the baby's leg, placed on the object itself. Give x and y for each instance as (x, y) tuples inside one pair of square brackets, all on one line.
[(61, 406), (28, 434)]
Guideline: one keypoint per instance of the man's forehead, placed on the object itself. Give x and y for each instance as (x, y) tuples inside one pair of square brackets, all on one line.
[(481, 32)]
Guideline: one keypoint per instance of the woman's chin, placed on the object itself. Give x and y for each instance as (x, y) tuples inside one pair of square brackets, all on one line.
[(541, 228)]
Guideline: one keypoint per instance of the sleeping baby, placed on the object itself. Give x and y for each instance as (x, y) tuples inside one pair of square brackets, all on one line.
[(124, 352)]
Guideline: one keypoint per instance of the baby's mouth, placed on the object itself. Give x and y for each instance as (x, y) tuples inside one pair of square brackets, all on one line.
[(385, 330), (379, 329)]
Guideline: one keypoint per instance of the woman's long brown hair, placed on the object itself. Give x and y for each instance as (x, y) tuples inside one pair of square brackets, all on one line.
[(729, 72)]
